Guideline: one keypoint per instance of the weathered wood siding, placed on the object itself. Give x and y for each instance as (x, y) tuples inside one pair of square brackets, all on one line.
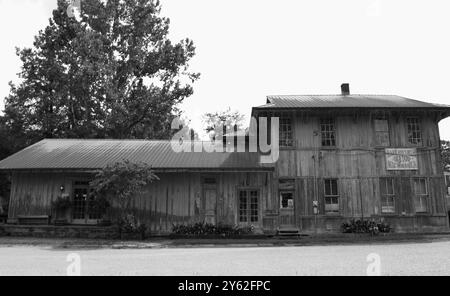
[(358, 164), (176, 198), (33, 193)]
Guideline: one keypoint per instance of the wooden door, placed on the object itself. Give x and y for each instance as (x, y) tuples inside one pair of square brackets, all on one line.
[(287, 209), (82, 202), (249, 207), (210, 196)]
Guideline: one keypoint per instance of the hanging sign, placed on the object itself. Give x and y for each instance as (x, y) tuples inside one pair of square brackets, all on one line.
[(401, 159)]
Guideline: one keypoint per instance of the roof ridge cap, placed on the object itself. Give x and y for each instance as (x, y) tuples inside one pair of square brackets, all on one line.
[(338, 95)]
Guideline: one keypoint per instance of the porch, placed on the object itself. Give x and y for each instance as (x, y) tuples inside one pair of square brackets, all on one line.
[(52, 231)]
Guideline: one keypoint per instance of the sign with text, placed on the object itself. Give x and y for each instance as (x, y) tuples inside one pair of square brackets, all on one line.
[(401, 159)]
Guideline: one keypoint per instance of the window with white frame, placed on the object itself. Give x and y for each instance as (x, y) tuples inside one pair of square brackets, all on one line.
[(414, 130), (331, 196), (387, 195), (420, 195), (328, 132)]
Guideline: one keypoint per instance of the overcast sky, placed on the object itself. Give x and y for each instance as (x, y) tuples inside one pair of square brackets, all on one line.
[(248, 49)]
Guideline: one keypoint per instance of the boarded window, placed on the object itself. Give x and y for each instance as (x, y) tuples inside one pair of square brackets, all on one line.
[(286, 184), (421, 195), (387, 195), (328, 132), (248, 206), (381, 125), (286, 134), (331, 196), (414, 130)]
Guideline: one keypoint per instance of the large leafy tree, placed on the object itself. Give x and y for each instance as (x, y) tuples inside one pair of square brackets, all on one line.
[(112, 73), (7, 146)]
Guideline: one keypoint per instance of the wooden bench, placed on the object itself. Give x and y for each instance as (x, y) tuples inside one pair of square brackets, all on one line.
[(33, 220)]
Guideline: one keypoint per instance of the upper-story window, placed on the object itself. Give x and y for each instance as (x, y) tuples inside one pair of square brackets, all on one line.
[(381, 124), (286, 134), (414, 130), (328, 132)]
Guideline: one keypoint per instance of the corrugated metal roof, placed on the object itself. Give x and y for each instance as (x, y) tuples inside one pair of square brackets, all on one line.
[(341, 101), (95, 154)]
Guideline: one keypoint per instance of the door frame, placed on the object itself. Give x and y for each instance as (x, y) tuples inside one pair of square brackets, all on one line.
[(209, 187), (260, 216), (86, 220), (287, 211), (291, 188)]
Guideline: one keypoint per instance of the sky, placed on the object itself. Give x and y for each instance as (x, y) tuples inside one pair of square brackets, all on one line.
[(249, 49)]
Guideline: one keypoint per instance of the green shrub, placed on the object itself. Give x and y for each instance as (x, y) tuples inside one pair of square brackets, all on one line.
[(365, 226), (130, 225), (204, 229)]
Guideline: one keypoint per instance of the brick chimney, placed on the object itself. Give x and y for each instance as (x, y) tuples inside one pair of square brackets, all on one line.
[(345, 89)]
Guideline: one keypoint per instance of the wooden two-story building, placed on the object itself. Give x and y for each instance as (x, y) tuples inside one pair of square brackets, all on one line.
[(341, 157), (357, 156)]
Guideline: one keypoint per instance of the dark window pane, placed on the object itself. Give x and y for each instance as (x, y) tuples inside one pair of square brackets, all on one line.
[(287, 200)]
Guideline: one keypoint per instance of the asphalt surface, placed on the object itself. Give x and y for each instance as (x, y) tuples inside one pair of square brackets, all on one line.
[(428, 258)]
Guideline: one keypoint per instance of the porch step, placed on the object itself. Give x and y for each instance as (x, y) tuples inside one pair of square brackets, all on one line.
[(61, 222), (34, 220), (288, 232)]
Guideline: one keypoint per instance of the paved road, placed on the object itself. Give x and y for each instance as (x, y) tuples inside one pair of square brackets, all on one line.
[(396, 259)]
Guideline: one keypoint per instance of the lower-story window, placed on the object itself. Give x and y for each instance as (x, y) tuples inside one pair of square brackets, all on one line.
[(387, 195), (447, 183), (248, 206), (421, 195), (331, 196)]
